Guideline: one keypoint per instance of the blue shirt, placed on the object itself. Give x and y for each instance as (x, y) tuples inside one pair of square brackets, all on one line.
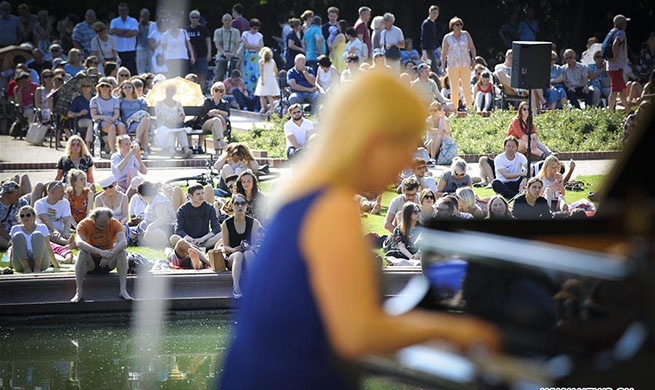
[(556, 71), (528, 30), (73, 70), (602, 80), (295, 74), (80, 103), (281, 342), (311, 50), (84, 34), (129, 107)]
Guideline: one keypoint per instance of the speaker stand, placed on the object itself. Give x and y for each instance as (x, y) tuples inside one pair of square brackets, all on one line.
[(529, 153)]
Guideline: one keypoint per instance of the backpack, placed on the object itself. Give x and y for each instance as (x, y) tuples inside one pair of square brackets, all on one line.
[(606, 49), (447, 151)]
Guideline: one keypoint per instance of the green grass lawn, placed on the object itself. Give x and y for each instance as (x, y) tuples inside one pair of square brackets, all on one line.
[(375, 223)]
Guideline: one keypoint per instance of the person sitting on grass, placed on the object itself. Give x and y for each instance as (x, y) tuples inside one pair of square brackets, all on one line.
[(113, 198), (401, 243), (239, 241), (159, 217), (453, 179), (55, 212), (553, 182), (10, 203), (79, 196), (30, 249), (127, 163), (235, 159), (102, 243), (452, 201), (510, 169), (423, 175), (409, 187), (519, 129), (437, 128), (498, 208), (530, 204), (246, 184), (468, 202), (296, 130), (428, 200), (192, 231)]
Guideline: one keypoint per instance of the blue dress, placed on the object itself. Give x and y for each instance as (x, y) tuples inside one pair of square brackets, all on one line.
[(280, 340)]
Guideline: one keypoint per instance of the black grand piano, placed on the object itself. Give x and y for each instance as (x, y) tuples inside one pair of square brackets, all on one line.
[(574, 299)]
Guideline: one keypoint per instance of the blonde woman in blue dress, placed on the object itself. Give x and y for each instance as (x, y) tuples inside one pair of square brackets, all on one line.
[(267, 86)]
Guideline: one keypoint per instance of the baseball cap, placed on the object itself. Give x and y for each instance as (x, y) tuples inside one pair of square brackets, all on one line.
[(378, 52), (422, 66), (620, 18), (8, 187)]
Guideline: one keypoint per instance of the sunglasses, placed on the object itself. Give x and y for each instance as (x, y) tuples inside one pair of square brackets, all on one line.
[(568, 58), (195, 17), (219, 90), (108, 187), (429, 197), (76, 144), (457, 24), (417, 211), (48, 76), (127, 86), (105, 86), (240, 203), (123, 75), (26, 215)]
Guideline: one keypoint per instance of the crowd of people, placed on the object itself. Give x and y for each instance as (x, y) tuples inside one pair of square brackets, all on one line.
[(102, 216)]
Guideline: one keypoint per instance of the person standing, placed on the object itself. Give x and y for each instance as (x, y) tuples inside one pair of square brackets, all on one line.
[(618, 61), (11, 29), (430, 36), (314, 43), (83, 32), (392, 40), (293, 42), (252, 41), (226, 40), (361, 26), (239, 22), (202, 47), (528, 28), (177, 50), (333, 17), (143, 49), (125, 28), (457, 52)]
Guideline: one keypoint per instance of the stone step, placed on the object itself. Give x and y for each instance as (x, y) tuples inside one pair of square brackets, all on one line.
[(187, 290)]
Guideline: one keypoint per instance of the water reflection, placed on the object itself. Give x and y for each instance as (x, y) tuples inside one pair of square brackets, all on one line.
[(96, 354)]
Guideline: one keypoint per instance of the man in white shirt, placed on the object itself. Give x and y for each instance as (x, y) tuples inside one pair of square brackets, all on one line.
[(296, 130), (392, 40), (125, 28), (410, 188), (511, 170), (55, 212)]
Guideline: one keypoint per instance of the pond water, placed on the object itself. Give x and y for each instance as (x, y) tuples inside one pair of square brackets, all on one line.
[(100, 352)]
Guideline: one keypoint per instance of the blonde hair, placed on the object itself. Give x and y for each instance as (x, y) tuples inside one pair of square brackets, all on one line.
[(266, 54), (550, 160), (122, 138), (376, 23), (84, 151), (122, 91), (455, 20), (74, 175), (467, 195), (376, 103)]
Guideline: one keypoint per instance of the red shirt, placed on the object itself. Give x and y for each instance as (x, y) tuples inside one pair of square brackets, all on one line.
[(517, 131), (360, 28), (28, 94)]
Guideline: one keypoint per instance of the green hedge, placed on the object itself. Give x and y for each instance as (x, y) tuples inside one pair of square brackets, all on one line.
[(560, 130)]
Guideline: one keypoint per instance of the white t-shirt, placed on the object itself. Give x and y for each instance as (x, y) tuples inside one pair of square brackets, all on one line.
[(39, 228), (104, 49), (175, 47), (430, 183), (55, 213), (125, 44), (397, 203), (137, 206), (252, 39), (511, 166), (300, 132)]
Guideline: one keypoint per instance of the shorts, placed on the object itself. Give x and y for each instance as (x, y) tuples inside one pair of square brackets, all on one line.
[(200, 66), (101, 123), (555, 94), (98, 270), (616, 80)]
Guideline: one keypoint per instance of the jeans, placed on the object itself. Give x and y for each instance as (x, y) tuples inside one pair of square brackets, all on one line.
[(597, 93), (250, 103), (143, 57), (508, 189), (578, 92), (304, 97)]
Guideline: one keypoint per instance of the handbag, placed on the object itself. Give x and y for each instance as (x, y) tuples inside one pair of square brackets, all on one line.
[(36, 133), (447, 151)]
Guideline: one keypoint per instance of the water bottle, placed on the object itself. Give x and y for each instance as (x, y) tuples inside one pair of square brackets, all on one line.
[(96, 147)]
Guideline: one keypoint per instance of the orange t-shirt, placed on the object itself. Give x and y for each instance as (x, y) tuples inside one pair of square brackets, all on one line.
[(516, 130), (101, 239), (79, 204)]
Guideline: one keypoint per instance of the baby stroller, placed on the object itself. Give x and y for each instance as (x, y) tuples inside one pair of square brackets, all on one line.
[(282, 105)]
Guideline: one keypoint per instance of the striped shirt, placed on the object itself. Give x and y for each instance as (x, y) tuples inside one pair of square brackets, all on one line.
[(575, 76)]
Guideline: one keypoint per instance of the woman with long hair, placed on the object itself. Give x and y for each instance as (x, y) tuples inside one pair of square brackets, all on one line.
[(498, 208), (248, 186), (235, 159), (427, 199), (177, 50), (519, 129), (337, 42), (331, 306), (41, 94), (76, 155), (267, 86), (79, 196), (553, 182), (135, 116), (468, 202), (105, 110), (401, 244)]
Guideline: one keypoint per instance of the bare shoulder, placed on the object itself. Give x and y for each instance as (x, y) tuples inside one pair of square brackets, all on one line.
[(333, 214)]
